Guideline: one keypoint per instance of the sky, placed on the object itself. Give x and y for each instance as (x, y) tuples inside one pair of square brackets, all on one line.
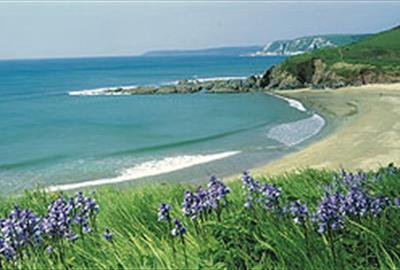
[(76, 29)]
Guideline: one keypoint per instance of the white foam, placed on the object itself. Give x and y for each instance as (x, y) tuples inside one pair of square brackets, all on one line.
[(292, 102), (149, 168), (217, 79), (104, 91), (201, 80), (295, 104), (296, 132)]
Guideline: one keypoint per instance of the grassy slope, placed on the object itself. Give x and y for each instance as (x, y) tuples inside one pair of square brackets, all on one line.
[(343, 39), (381, 50), (243, 239)]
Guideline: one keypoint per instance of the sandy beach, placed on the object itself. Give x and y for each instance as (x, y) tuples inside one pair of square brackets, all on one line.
[(366, 129)]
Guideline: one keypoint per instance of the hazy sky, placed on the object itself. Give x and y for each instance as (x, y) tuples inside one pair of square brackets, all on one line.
[(38, 30)]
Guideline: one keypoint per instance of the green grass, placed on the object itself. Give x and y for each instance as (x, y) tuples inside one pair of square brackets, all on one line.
[(243, 239)]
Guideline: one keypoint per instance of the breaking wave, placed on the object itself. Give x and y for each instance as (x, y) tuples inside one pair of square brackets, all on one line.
[(149, 168)]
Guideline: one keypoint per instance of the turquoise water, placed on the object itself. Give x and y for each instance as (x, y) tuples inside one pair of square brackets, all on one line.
[(50, 137)]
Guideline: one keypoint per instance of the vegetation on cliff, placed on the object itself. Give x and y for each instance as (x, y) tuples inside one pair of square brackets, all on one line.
[(374, 59)]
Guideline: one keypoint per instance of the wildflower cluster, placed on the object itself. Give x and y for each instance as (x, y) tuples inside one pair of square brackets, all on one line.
[(199, 204), (165, 216), (350, 179), (346, 198), (19, 230), (268, 194), (354, 203), (330, 213), (271, 195), (252, 188), (202, 202), (298, 211), (23, 230), (63, 214)]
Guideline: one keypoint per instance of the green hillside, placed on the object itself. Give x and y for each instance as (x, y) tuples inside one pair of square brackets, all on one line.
[(375, 59)]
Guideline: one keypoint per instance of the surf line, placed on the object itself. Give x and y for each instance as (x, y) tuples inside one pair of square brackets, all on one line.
[(149, 168)]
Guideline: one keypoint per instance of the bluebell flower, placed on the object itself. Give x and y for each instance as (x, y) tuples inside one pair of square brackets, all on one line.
[(298, 211), (163, 213), (379, 204), (249, 183), (271, 195), (179, 229), (331, 212), (357, 202), (107, 235), (397, 202), (217, 192), (49, 249), (188, 202), (351, 180)]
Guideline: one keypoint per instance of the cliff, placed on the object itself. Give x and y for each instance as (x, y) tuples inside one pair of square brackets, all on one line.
[(375, 59), (308, 43)]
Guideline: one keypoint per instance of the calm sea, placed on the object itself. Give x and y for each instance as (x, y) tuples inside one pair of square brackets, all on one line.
[(50, 137)]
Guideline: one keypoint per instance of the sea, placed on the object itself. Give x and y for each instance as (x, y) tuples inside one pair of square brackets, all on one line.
[(59, 132)]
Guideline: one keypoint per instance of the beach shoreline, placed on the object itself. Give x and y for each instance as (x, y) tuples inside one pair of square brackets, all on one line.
[(283, 133), (361, 132), (344, 111)]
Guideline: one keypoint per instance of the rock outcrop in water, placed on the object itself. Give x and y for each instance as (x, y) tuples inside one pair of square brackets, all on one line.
[(193, 86)]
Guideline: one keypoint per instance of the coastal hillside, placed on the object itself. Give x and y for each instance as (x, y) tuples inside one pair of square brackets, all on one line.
[(374, 59), (305, 44)]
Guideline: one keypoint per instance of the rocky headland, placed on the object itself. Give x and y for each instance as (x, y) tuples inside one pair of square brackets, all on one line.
[(371, 60)]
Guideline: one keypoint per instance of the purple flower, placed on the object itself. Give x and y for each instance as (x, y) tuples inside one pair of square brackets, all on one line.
[(249, 202), (298, 211), (357, 202), (188, 204), (23, 229), (18, 231), (217, 192), (204, 201), (163, 212), (179, 228), (397, 202), (49, 249), (253, 190), (350, 179), (7, 251), (331, 212), (378, 204), (107, 235), (271, 195), (249, 183)]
